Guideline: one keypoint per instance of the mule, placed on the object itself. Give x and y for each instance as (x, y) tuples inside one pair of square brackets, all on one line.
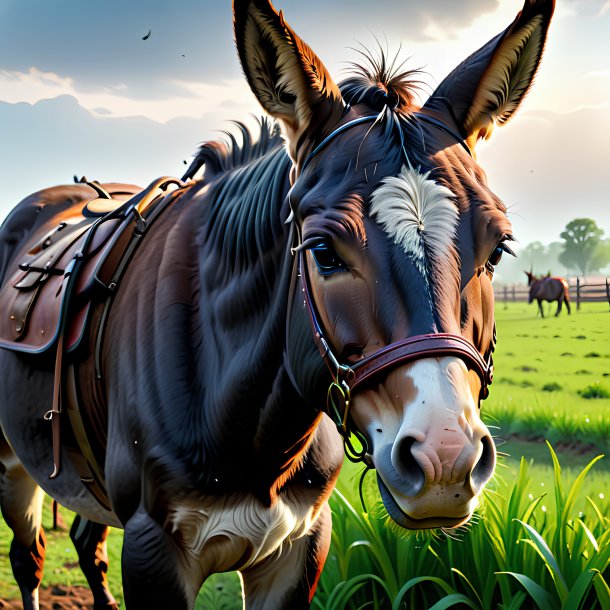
[(333, 292), (548, 289)]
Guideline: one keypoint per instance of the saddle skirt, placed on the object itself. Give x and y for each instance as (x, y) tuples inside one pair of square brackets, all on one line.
[(61, 273)]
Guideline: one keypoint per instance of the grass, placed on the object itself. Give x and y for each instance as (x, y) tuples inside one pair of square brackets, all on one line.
[(486, 563), (541, 538), (535, 355), (595, 390), (530, 547)]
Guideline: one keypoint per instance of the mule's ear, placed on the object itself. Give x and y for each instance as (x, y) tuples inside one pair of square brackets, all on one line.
[(287, 77), (487, 88)]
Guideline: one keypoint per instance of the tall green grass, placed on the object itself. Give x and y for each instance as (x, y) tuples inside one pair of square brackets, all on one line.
[(523, 551)]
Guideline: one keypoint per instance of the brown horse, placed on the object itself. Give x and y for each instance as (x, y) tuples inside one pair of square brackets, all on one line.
[(287, 302), (548, 289)]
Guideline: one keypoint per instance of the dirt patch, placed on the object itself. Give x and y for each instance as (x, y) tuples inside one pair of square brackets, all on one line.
[(56, 598)]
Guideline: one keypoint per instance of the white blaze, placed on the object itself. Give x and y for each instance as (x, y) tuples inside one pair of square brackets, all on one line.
[(418, 214)]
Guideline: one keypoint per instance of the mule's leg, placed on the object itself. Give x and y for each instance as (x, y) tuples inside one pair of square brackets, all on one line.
[(567, 305), (153, 573), (21, 502), (89, 539), (559, 302), (540, 308), (288, 581)]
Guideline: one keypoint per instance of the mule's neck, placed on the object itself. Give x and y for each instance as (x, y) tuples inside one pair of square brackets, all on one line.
[(252, 411)]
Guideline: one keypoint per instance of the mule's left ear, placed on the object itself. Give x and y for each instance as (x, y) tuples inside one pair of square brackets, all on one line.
[(487, 88), (287, 77)]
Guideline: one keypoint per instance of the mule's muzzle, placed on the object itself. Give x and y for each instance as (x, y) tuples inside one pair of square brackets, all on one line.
[(399, 516), (426, 484)]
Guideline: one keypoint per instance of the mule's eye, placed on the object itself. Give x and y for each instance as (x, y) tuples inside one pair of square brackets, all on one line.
[(496, 255), (326, 258)]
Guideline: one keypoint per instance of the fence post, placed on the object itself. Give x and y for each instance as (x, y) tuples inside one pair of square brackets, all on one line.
[(608, 292), (514, 298), (506, 295), (578, 293)]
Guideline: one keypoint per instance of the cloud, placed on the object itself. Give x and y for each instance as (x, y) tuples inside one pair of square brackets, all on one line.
[(99, 45), (550, 167), (48, 142), (198, 98)]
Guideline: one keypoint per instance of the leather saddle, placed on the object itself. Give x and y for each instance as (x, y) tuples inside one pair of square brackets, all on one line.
[(68, 268), (58, 297)]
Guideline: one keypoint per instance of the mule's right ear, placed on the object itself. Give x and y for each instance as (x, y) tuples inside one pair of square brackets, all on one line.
[(287, 77), (487, 87)]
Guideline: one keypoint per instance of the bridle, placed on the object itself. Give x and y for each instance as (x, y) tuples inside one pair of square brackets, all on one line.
[(346, 378)]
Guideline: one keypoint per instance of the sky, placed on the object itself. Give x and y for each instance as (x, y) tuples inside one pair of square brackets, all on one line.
[(82, 94)]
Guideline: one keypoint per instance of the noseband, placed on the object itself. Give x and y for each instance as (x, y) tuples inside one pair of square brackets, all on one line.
[(348, 378)]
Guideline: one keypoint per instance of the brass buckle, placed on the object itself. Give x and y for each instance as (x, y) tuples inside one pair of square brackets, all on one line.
[(338, 400)]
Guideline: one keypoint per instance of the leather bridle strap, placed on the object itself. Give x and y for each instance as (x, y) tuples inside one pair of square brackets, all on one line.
[(347, 378), (431, 345)]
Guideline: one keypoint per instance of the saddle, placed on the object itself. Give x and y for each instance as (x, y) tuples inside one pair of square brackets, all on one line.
[(65, 275)]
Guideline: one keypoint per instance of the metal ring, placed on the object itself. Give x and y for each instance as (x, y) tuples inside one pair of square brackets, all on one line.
[(338, 393)]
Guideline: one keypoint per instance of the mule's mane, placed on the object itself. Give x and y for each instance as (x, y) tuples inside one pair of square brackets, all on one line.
[(380, 82), (245, 209), (220, 156)]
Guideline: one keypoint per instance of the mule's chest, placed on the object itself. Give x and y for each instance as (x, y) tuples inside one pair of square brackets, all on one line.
[(236, 531)]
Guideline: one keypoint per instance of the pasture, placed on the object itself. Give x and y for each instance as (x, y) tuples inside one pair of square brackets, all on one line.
[(542, 535), (552, 376)]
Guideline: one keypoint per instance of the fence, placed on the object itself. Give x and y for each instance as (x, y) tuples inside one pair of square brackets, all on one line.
[(581, 291)]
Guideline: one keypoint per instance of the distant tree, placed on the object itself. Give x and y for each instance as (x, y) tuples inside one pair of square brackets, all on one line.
[(533, 256), (601, 256), (581, 240)]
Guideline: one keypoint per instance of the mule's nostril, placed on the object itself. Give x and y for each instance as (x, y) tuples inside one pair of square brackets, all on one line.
[(408, 468), (484, 468)]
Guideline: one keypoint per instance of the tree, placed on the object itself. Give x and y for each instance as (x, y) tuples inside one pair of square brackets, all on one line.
[(581, 240), (601, 256)]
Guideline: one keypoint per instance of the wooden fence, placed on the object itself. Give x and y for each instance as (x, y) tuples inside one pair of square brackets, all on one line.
[(581, 291)]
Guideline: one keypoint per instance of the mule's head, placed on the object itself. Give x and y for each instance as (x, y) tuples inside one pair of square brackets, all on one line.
[(399, 235), (534, 286)]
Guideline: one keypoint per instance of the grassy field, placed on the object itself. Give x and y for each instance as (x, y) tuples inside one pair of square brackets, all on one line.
[(542, 535), (552, 376)]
